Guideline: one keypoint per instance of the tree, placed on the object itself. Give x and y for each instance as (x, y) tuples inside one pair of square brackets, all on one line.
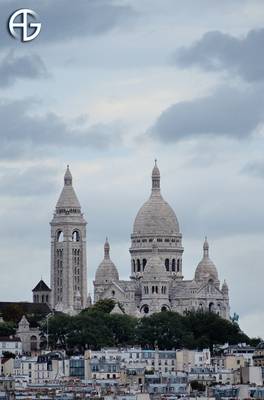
[(7, 328), (13, 313), (165, 329), (122, 329), (59, 327), (105, 306)]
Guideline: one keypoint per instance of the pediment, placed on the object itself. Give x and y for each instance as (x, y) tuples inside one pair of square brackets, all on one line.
[(208, 289)]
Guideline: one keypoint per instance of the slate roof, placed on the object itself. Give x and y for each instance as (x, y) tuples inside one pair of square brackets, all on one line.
[(41, 287)]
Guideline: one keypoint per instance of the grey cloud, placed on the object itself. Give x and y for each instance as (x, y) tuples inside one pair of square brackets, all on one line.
[(26, 134), (20, 67), (227, 112), (255, 168), (219, 51), (27, 182), (68, 20)]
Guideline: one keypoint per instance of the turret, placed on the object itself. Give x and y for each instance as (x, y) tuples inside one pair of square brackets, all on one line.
[(206, 270)]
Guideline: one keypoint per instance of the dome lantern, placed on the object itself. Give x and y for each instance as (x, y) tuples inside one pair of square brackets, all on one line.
[(155, 178)]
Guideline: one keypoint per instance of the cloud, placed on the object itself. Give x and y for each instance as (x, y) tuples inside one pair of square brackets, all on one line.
[(21, 67), (30, 134), (69, 20), (27, 182), (217, 51), (227, 112), (254, 168)]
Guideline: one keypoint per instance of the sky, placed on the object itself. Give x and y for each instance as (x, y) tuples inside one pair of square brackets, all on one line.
[(107, 87)]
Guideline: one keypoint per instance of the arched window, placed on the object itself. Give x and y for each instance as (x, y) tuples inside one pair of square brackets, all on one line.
[(153, 289), (47, 298), (156, 289), (113, 293), (145, 309), (211, 307), (178, 265), (144, 263), (134, 265), (138, 265), (75, 236), (164, 308), (167, 264), (43, 298), (173, 265), (59, 236)]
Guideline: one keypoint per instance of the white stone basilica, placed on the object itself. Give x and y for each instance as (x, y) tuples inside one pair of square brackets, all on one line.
[(156, 282)]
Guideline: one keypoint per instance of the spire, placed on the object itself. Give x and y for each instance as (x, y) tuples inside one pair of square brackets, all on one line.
[(68, 177), (155, 178), (68, 198), (106, 249), (206, 248)]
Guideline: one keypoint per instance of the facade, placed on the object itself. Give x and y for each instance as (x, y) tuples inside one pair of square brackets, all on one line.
[(258, 356), (10, 345), (156, 280), (30, 337)]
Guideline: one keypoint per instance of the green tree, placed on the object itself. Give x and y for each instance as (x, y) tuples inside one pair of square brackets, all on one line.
[(122, 329), (58, 328), (7, 328)]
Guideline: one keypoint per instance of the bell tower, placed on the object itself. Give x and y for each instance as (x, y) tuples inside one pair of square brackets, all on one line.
[(68, 251)]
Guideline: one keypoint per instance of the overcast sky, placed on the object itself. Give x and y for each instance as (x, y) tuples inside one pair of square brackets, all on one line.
[(107, 87)]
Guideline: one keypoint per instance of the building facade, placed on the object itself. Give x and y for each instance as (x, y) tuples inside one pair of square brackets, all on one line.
[(156, 281)]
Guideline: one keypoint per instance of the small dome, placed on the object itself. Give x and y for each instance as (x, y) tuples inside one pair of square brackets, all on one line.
[(206, 269), (107, 271), (155, 268), (156, 217)]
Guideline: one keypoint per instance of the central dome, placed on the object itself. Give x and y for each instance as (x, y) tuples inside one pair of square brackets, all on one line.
[(156, 217)]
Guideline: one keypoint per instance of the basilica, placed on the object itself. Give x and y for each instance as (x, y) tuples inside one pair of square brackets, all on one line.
[(156, 280)]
